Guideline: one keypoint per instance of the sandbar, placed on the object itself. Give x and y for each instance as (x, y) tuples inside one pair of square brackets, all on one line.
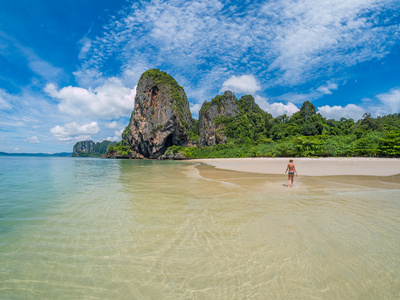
[(310, 166)]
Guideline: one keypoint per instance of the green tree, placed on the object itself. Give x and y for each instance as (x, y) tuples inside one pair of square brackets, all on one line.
[(390, 144), (307, 110), (368, 123), (309, 129)]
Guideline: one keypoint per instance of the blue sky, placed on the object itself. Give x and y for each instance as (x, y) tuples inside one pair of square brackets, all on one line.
[(69, 68)]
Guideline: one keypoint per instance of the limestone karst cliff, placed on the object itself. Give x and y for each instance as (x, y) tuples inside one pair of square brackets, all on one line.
[(161, 127), (82, 148), (90, 148), (161, 116), (210, 131)]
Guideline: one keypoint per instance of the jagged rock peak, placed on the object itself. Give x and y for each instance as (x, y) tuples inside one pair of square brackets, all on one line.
[(161, 116), (222, 105)]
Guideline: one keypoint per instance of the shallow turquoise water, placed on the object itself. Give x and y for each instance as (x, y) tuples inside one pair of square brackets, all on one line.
[(76, 228)]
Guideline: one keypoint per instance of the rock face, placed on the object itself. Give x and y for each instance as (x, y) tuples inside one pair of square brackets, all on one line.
[(90, 148), (84, 147), (222, 105), (173, 156), (161, 117)]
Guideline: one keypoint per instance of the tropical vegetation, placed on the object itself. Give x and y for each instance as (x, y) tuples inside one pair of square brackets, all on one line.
[(255, 133)]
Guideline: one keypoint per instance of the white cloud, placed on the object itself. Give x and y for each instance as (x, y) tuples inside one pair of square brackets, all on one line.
[(44, 68), (241, 84), (310, 95), (88, 77), (132, 72), (111, 125), (336, 112), (37, 65), (195, 108), (313, 37), (111, 100), (390, 101), (33, 139), (4, 104), (282, 41), (117, 136), (85, 43), (299, 98), (23, 111), (327, 89), (276, 108), (73, 132)]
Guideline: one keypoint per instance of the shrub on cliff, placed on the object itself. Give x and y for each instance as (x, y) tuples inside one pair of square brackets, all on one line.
[(119, 149)]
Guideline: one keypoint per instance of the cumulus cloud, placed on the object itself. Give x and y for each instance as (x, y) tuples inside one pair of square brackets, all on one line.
[(390, 101), (386, 103), (241, 84), (111, 100), (73, 132), (117, 136), (33, 139), (336, 112), (276, 108)]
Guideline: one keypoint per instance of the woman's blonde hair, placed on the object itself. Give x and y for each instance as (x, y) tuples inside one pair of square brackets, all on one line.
[(290, 160)]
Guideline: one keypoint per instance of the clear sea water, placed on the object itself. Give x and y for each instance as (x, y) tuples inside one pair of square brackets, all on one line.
[(77, 228)]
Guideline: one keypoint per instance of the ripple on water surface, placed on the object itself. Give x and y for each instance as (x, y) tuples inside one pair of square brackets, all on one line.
[(101, 229)]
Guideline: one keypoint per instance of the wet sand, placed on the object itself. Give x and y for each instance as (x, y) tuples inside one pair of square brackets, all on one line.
[(310, 166)]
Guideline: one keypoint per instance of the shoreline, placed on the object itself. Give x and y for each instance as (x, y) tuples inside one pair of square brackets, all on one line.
[(324, 166)]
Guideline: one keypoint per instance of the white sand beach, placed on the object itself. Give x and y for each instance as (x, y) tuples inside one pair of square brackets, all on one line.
[(310, 166)]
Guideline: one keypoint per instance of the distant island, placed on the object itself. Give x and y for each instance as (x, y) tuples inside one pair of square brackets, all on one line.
[(162, 127), (63, 154), (91, 149)]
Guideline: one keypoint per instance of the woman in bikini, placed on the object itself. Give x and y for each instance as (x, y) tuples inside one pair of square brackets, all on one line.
[(292, 169)]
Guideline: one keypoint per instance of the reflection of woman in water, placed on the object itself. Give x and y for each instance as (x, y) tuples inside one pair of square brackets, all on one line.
[(292, 169)]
